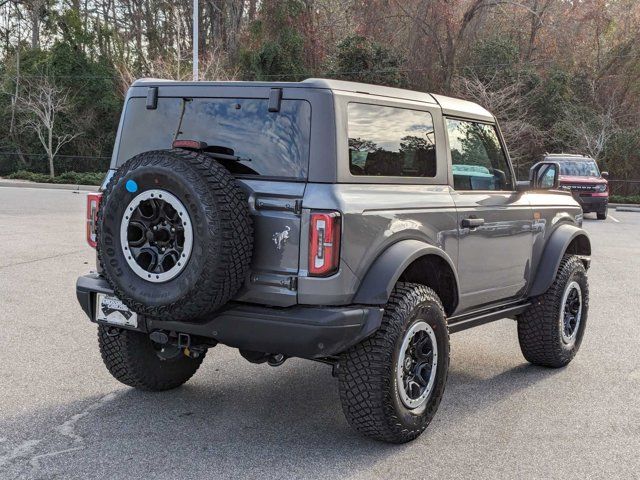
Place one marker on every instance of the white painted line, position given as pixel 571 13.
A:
pixel 614 218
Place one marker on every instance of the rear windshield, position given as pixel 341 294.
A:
pixel 273 144
pixel 583 168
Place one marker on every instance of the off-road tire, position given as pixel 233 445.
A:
pixel 133 360
pixel 366 372
pixel 540 326
pixel 602 215
pixel 222 235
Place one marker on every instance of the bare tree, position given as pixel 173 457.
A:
pixel 510 105
pixel 40 106
pixel 443 25
pixel 592 132
pixel 536 10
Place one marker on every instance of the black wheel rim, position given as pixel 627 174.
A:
pixel 156 235
pixel 571 312
pixel 417 365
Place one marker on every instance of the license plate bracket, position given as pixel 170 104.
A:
pixel 111 310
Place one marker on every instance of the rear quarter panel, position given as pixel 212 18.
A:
pixel 374 218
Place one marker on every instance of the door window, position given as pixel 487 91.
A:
pixel 478 160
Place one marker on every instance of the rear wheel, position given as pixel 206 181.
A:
pixel 133 359
pixel 550 331
pixel 602 215
pixel 391 384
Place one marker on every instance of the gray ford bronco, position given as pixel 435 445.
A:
pixel 349 224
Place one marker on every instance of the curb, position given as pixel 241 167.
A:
pixel 50 186
pixel 632 205
pixel 627 208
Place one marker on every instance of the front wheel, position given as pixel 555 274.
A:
pixel 602 215
pixel 391 384
pixel 133 359
pixel 550 331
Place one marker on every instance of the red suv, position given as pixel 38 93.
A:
pixel 581 176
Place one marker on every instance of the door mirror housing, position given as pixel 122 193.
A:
pixel 604 175
pixel 545 176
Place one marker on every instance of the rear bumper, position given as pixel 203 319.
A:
pixel 592 204
pixel 307 332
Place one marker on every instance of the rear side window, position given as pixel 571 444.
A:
pixel 274 144
pixel 390 141
pixel 478 160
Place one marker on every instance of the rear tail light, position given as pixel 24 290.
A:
pixel 93 203
pixel 324 244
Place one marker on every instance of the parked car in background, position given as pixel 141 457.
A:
pixel 581 176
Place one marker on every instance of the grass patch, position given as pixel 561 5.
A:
pixel 74 178
pixel 625 199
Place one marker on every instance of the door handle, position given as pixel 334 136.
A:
pixel 472 222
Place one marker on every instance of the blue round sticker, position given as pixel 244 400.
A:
pixel 132 186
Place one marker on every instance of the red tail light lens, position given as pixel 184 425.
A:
pixel 93 203
pixel 324 244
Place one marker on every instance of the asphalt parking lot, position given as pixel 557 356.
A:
pixel 63 416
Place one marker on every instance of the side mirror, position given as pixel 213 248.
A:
pixel 545 176
pixel 604 174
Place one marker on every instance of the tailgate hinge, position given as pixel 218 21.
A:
pixel 274 280
pixel 288 204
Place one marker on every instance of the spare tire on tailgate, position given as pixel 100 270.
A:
pixel 174 234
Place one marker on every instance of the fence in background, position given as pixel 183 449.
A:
pixel 624 187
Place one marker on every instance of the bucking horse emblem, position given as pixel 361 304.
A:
pixel 280 238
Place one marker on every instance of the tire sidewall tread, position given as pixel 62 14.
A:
pixel 130 358
pixel 539 327
pixel 368 386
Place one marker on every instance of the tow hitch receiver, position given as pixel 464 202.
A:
pixel 180 341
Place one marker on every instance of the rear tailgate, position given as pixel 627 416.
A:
pixel 276 212
pixel 272 150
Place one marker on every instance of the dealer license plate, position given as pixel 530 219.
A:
pixel 110 309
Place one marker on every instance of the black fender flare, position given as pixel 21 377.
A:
pixel 552 255
pixel 377 284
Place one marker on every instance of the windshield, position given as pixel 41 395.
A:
pixel 582 168
pixel 273 144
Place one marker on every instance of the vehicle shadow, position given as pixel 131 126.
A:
pixel 239 421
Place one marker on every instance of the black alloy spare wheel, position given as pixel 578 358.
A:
pixel 157 234
pixel 174 234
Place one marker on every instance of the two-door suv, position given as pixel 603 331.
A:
pixel 350 224
pixel 581 176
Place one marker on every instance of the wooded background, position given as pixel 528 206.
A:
pixel 561 76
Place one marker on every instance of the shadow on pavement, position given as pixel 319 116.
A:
pixel 256 424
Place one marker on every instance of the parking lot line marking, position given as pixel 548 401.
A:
pixel 614 219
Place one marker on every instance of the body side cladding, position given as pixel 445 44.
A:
pixel 391 265
pixel 565 239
